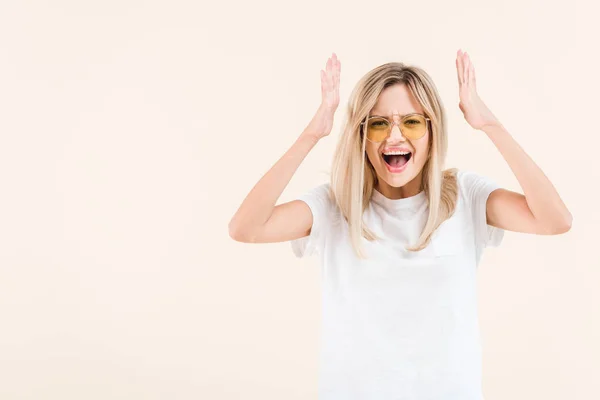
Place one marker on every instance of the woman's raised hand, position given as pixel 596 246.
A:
pixel 476 113
pixel 322 122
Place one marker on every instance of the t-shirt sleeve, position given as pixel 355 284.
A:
pixel 476 189
pixel 320 205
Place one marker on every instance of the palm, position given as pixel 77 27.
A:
pixel 322 122
pixel 330 83
pixel 476 113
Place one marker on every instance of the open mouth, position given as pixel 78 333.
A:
pixel 396 160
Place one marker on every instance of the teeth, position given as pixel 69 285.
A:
pixel 387 153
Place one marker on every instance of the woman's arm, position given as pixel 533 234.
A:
pixel 250 222
pixel 258 220
pixel 540 210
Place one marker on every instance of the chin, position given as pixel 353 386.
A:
pixel 397 179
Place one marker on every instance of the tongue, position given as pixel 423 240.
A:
pixel 397 160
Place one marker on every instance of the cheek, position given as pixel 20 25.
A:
pixel 372 153
pixel 422 151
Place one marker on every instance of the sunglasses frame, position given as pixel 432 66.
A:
pixel 392 123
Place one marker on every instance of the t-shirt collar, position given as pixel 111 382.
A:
pixel 395 204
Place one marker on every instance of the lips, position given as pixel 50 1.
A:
pixel 396 149
pixel 396 160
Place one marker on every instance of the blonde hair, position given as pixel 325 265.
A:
pixel 353 177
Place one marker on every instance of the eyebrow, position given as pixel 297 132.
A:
pixel 390 116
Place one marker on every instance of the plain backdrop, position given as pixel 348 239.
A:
pixel 132 130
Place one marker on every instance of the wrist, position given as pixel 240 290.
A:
pixel 309 138
pixel 493 128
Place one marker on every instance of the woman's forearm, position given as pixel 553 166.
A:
pixel 543 199
pixel 258 205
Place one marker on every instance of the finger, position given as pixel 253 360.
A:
pixel 326 82
pixel 457 68
pixel 464 57
pixel 328 73
pixel 467 69
pixel 472 73
pixel 461 67
pixel 334 68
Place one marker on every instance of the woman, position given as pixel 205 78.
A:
pixel 399 238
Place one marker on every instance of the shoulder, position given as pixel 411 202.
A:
pixel 321 194
pixel 472 188
pixel 470 182
pixel 475 189
pixel 320 201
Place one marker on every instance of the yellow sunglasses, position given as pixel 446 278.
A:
pixel 412 126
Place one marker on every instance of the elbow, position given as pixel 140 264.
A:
pixel 235 233
pixel 238 234
pixel 564 227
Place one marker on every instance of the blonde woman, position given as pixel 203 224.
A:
pixel 399 238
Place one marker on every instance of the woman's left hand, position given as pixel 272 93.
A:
pixel 474 110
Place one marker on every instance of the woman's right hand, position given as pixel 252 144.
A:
pixel 321 124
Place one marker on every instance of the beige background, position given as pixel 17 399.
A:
pixel 132 130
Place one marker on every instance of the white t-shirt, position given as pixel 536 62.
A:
pixel 401 325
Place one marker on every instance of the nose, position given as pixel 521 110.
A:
pixel 396 134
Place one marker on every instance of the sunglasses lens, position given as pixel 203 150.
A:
pixel 413 127
pixel 377 129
